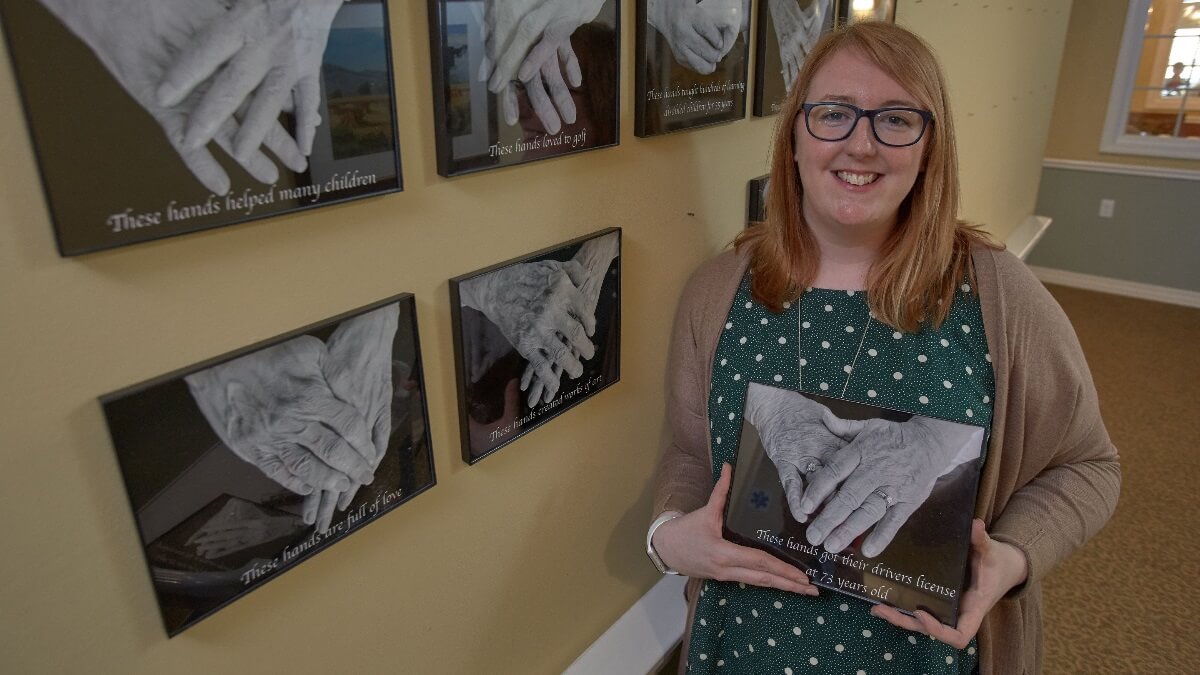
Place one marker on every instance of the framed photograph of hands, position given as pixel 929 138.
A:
pixel 520 80
pixel 786 31
pixel 868 501
pixel 534 337
pixel 691 64
pixel 152 118
pixel 241 467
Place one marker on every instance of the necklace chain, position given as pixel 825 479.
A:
pixel 800 342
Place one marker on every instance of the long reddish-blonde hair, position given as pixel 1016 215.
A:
pixel 928 253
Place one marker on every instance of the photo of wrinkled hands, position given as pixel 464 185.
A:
pixel 239 526
pixel 798 25
pixel 850 476
pixel 545 310
pixel 215 71
pixel 313 416
pixel 699 34
pixel 528 45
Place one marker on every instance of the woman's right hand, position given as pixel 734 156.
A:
pixel 693 546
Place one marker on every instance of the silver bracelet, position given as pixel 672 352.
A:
pixel 650 552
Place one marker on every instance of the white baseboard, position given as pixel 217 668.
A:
pixel 1132 289
pixel 1022 240
pixel 641 639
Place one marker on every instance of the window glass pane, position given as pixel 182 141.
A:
pixel 1189 14
pixel 1156 52
pixel 1181 70
pixel 1160 76
pixel 1162 102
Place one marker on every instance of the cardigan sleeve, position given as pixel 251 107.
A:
pixel 1059 469
pixel 683 479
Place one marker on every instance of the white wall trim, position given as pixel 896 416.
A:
pixel 1122 169
pixel 642 638
pixel 1132 289
pixel 1022 240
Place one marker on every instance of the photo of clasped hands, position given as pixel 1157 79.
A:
pixel 216 70
pixel 699 34
pixel 313 416
pixel 237 527
pixel 546 311
pixel 849 476
pixel 527 43
pixel 798 25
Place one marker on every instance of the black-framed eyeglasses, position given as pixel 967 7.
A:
pixel 895 127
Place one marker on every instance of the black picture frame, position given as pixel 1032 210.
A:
pixel 756 199
pixel 477 129
pixel 673 95
pixel 216 457
pixel 537 301
pixel 106 146
pixel 780 49
pixel 923 566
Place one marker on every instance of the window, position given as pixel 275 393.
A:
pixel 1154 107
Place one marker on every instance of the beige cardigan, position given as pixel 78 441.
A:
pixel 1051 477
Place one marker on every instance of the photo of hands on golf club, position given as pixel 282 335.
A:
pixel 199 113
pixel 868 501
pixel 691 67
pixel 534 337
pixel 240 469
pixel 519 80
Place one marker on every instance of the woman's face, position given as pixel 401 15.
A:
pixel 856 183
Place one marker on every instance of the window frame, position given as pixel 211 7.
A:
pixel 1114 139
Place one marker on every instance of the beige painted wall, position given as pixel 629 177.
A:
pixel 514 565
pixel 1085 81
pixel 1001 59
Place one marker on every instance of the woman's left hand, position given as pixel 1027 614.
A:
pixel 996 568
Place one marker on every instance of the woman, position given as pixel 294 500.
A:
pixel 862 283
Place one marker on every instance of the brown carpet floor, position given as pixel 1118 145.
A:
pixel 1123 604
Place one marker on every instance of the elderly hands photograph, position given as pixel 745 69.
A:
pixel 520 80
pixel 241 467
pixel 691 64
pixel 152 118
pixel 534 337
pixel 785 32
pixel 864 500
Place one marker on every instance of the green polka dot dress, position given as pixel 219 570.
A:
pixel 826 343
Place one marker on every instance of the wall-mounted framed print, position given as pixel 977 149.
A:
pixel 516 80
pixel 785 32
pixel 152 118
pixel 534 337
pixel 691 64
pixel 241 467
pixel 756 199
pixel 853 11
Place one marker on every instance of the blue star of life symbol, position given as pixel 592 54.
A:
pixel 759 500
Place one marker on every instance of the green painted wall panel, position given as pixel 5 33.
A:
pixel 1152 238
